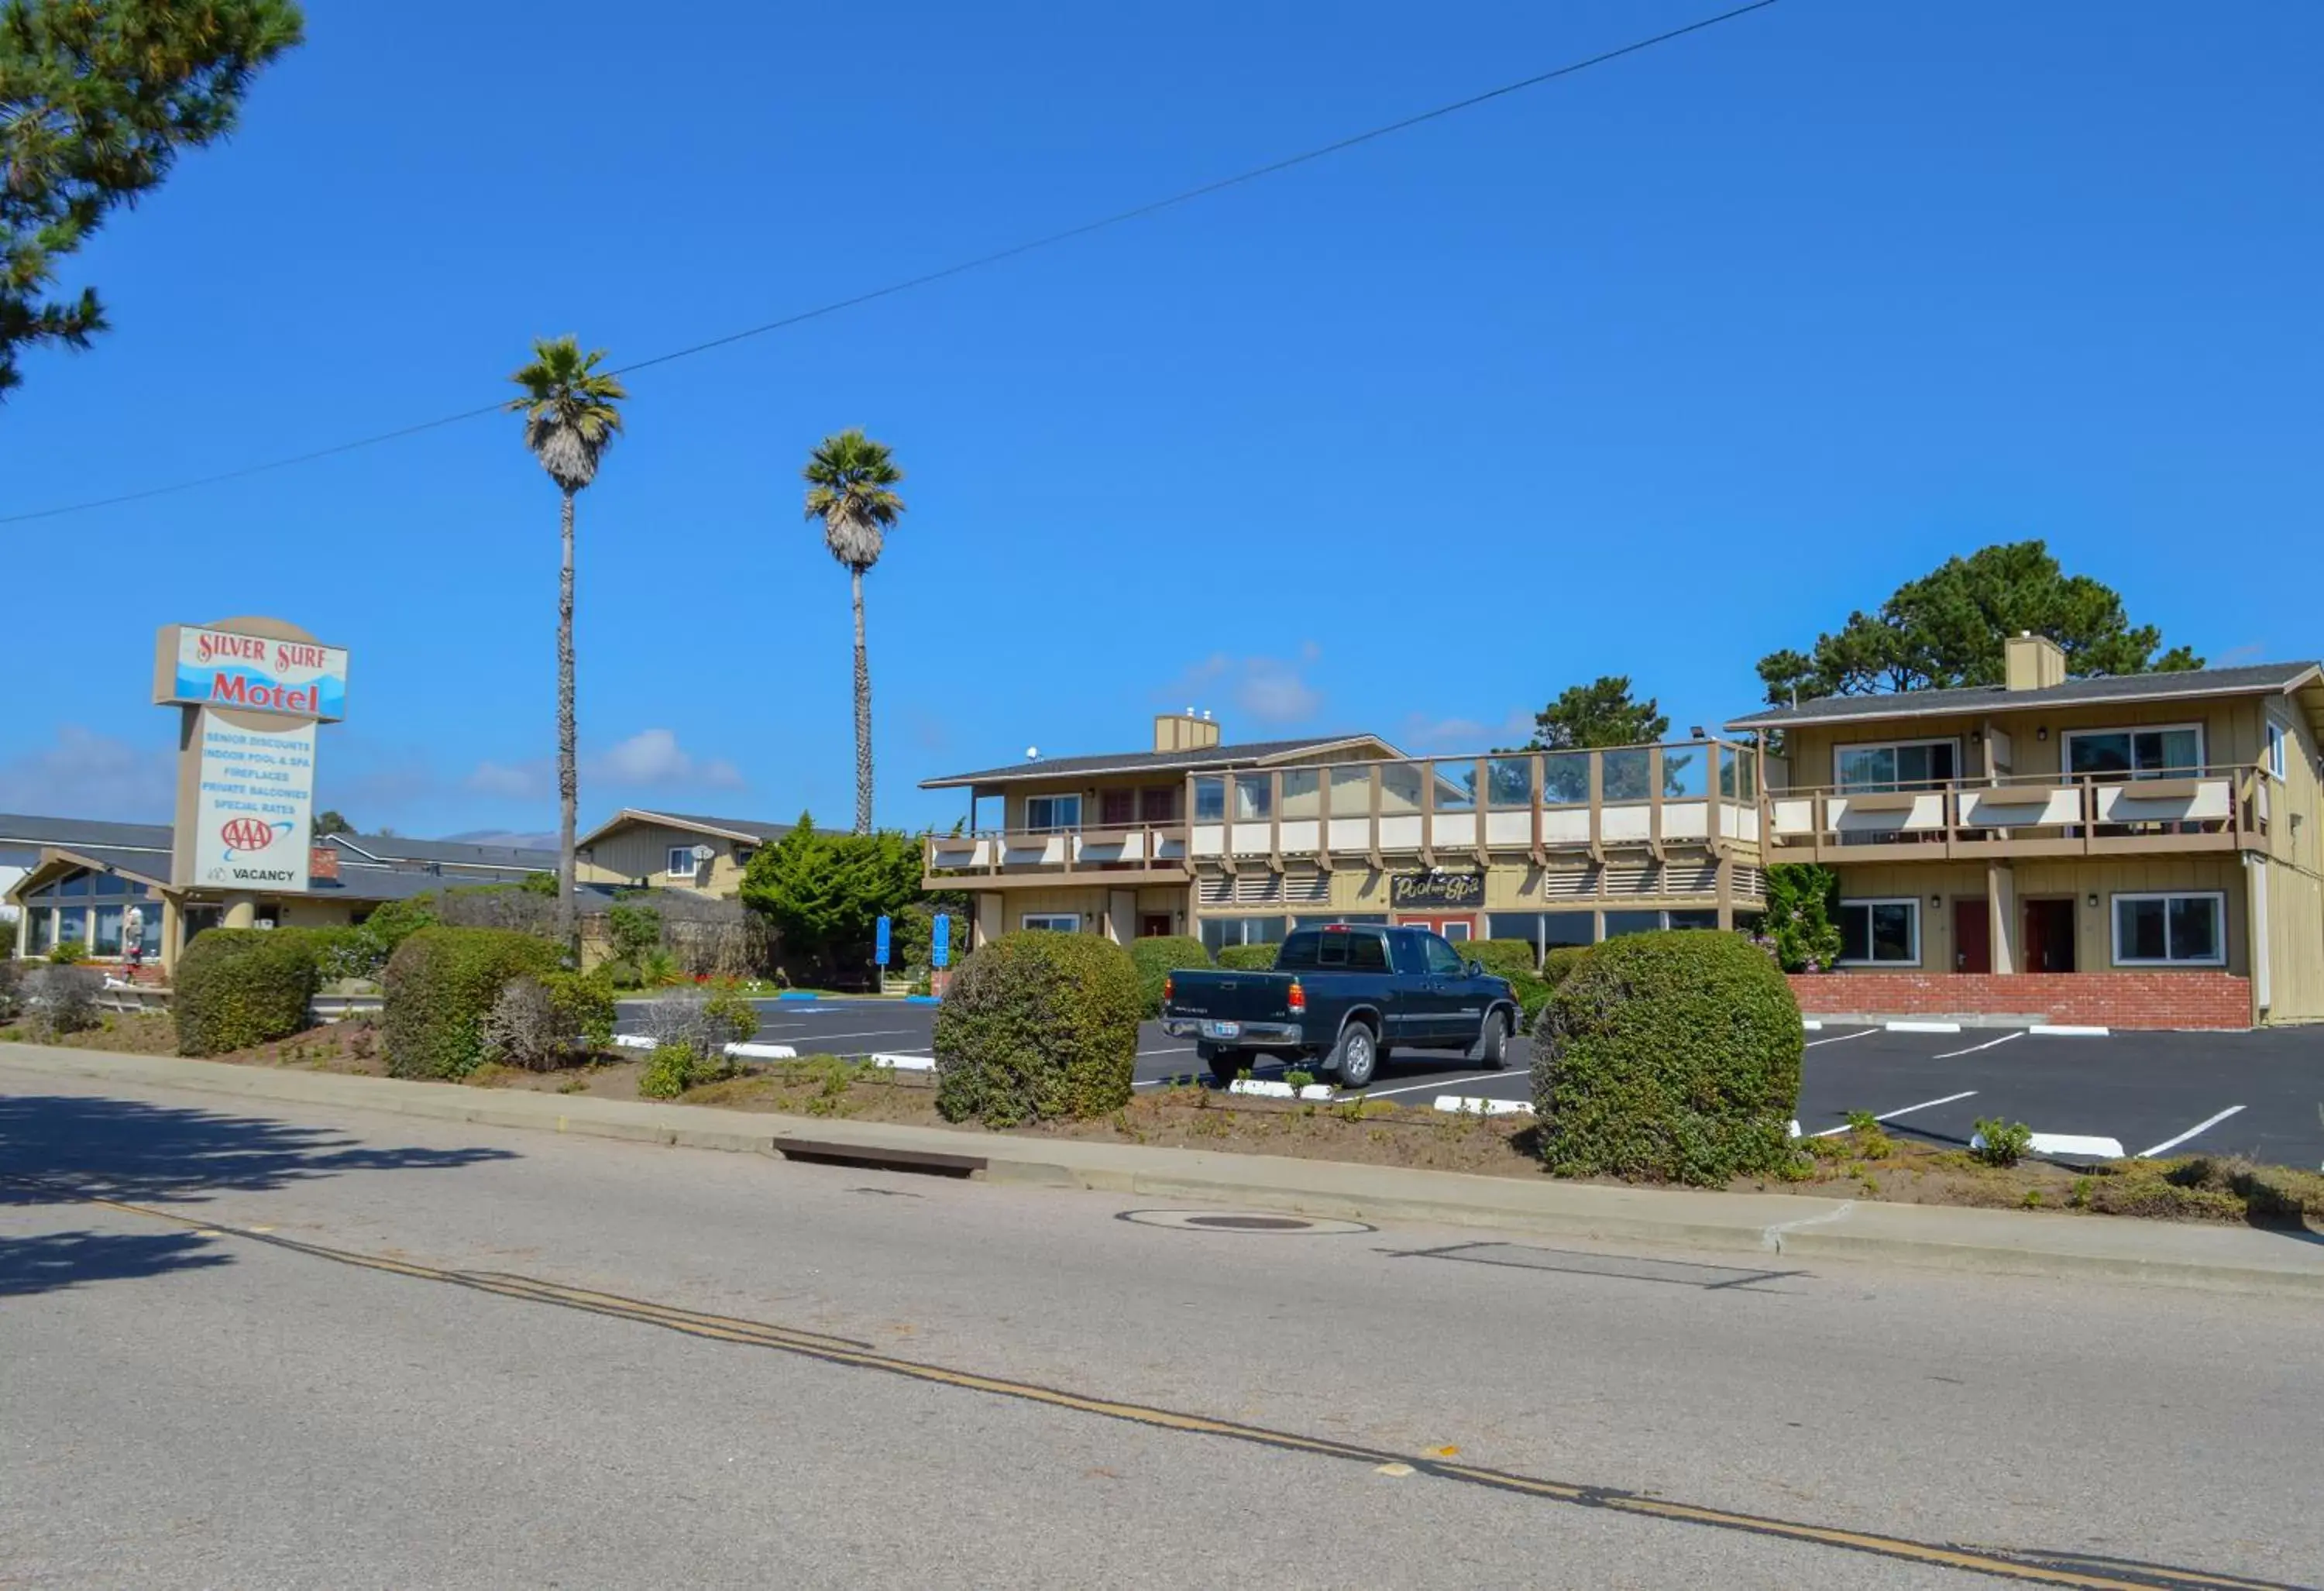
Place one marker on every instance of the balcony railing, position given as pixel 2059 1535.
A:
pixel 1699 794
pixel 2173 809
pixel 1061 853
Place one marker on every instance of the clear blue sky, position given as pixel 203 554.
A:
pixel 1647 371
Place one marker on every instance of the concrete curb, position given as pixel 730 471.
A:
pixel 1792 1226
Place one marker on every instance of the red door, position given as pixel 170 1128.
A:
pixel 1972 936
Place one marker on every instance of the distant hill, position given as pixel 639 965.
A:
pixel 505 837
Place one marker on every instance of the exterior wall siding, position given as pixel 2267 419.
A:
pixel 2157 999
pixel 2076 880
pixel 642 851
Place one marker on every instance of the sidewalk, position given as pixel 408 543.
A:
pixel 1797 1226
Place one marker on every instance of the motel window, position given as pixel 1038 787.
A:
pixel 1347 919
pixel 1210 800
pixel 108 932
pixel 1045 815
pixel 2170 930
pixel 1618 924
pixel 43 933
pixel 72 923
pixel 1694 919
pixel 2278 761
pixel 1880 932
pixel 1218 932
pixel 1158 804
pixel 1905 765
pixel 1053 922
pixel 1117 809
pixel 681 862
pixel 2139 754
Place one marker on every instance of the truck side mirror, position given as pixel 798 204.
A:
pixel 1476 969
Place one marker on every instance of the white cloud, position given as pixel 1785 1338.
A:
pixel 514 781
pixel 651 757
pixel 92 775
pixel 1270 690
pixel 654 757
pixel 1424 734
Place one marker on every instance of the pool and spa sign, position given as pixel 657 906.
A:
pixel 250 692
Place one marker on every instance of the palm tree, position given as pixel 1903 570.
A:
pixel 569 421
pixel 847 488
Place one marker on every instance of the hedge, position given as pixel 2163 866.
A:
pixel 235 987
pixel 440 986
pixel 1558 965
pixel 1503 958
pixel 1674 1056
pixel 1157 959
pixel 1037 1026
pixel 1249 957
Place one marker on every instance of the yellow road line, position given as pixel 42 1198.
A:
pixel 2030 1568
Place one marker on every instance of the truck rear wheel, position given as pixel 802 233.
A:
pixel 1355 1057
pixel 1225 1065
pixel 1493 1041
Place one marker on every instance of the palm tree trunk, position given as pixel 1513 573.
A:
pixel 863 712
pixel 568 778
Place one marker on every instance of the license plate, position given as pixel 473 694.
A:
pixel 1221 1030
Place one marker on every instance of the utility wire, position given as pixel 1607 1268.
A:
pixel 960 267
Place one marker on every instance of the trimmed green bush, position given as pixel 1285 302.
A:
pixel 1157 959
pixel 440 986
pixel 1037 1026
pixel 238 987
pixel 1558 965
pixel 669 1071
pixel 1671 1056
pixel 1503 958
pixel 1249 957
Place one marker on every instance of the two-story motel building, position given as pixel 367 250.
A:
pixel 2132 851
pixel 2138 851
pixel 1242 843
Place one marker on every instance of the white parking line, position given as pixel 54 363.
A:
pixel 1437 1083
pixel 1973 1049
pixel 1179 1050
pixel 1893 1114
pixel 1843 1038
pixel 2201 1126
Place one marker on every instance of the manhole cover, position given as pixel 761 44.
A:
pixel 1213 1221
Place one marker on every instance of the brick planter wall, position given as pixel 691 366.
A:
pixel 2102 999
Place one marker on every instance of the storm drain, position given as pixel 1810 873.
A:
pixel 1245 1221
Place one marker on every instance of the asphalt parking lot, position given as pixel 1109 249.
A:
pixel 2258 1094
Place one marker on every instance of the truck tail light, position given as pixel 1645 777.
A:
pixel 1298 998
pixel 1168 983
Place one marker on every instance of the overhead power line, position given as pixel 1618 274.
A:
pixel 926 278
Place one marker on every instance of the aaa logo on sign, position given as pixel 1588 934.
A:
pixel 249 834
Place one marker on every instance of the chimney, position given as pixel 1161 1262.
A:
pixel 2034 662
pixel 1184 732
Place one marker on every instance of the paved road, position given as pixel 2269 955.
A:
pixel 2260 1094
pixel 396 1353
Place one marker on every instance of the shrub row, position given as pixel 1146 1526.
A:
pixel 1157 959
pixel 1248 958
pixel 441 985
pixel 1037 1025
pixel 235 987
pixel 1674 1056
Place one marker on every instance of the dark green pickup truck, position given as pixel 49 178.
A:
pixel 1342 998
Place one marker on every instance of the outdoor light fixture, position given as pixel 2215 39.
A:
pixel 2094 900
pixel 1936 900
pixel 2043 733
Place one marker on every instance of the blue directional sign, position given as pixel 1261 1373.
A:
pixel 880 943
pixel 940 940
